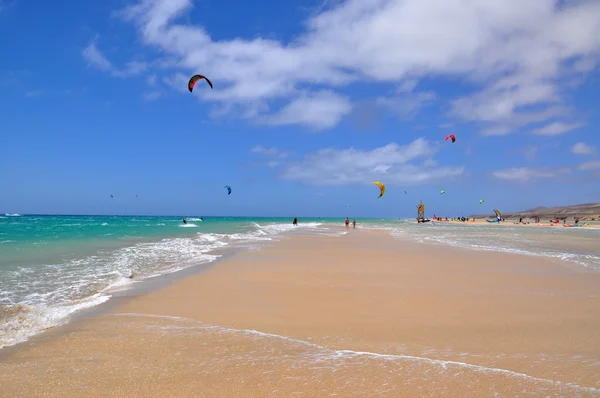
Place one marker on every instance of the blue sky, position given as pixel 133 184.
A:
pixel 312 101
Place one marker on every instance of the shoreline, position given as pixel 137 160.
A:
pixel 223 253
pixel 121 293
pixel 36 321
pixel 280 271
pixel 135 287
pixel 118 296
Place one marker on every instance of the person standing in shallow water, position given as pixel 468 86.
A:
pixel 295 222
pixel 354 223
pixel 347 222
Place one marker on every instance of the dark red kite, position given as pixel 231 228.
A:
pixel 195 78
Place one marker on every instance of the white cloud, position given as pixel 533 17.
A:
pixel 390 163
pixel 94 58
pixel 520 119
pixel 581 148
pixel 505 47
pixel 590 165
pixel 524 174
pixel 500 103
pixel 407 105
pixel 408 86
pixel 497 130
pixel 429 163
pixel 557 128
pixel 320 110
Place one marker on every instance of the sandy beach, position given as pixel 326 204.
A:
pixel 524 223
pixel 362 314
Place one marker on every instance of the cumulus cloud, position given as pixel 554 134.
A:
pixel 520 119
pixel 502 48
pixel 524 174
pixel 407 104
pixel 94 58
pixel 320 110
pixel 391 163
pixel 557 128
pixel 581 148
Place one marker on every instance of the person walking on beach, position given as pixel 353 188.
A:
pixel 295 222
pixel 347 222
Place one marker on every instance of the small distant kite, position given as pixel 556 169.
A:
pixel 442 192
pixel 381 188
pixel 137 197
pixel 481 201
pixel 111 196
pixel 405 192
pixel 451 137
pixel 195 78
pixel 228 189
pixel 349 205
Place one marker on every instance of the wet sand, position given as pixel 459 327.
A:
pixel 358 315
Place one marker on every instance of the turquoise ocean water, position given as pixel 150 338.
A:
pixel 53 266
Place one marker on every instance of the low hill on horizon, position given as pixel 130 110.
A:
pixel 585 212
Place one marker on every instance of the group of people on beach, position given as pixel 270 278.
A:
pixel 462 219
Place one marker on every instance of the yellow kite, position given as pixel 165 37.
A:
pixel 381 188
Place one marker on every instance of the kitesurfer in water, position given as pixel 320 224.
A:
pixel 184 220
pixel 295 222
